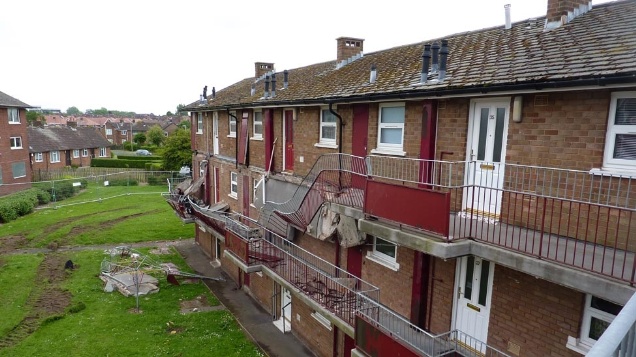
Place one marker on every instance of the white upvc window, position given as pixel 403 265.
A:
pixel 75 153
pixel 16 142
pixel 14 115
pixel 85 153
pixel 255 189
pixel 385 253
pixel 102 152
pixel 124 133
pixel 109 131
pixel 258 125
pixel 391 129
pixel 200 123
pixel 55 156
pixel 38 157
pixel 597 316
pixel 328 127
pixel 18 169
pixel 620 142
pixel 232 124
pixel 233 184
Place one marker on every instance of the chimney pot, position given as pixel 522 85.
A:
pixel 435 64
pixel 266 87
pixel 285 79
pixel 426 61
pixel 374 73
pixel 443 54
pixel 213 92
pixel 273 85
pixel 508 21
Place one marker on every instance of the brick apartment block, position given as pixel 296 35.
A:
pixel 15 174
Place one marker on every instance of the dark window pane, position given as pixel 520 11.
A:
pixel 499 131
pixel 385 247
pixel 468 283
pixel 625 147
pixel 625 111
pixel 483 132
pixel 605 306
pixel 483 282
pixel 597 327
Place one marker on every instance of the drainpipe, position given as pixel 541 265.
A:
pixel 236 137
pixel 341 127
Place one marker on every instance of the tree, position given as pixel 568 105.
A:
pixel 177 151
pixel 185 124
pixel 180 110
pixel 140 138
pixel 169 113
pixel 73 111
pixel 32 116
pixel 155 135
pixel 102 111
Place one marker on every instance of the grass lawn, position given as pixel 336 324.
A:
pixel 103 324
pixel 133 214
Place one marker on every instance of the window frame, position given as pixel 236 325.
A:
pixel 334 124
pixel 38 157
pixel 76 153
pixel 233 184
pixel 85 153
pixel 610 163
pixel 231 119
pixel 13 169
pixel 10 116
pixel 590 312
pixel 16 142
pixel 387 148
pixel 102 152
pixel 54 153
pixel 109 131
pixel 199 123
pixel 255 123
pixel 382 258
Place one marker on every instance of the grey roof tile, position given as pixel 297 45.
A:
pixel 65 138
pixel 8 101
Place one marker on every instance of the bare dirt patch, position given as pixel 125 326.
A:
pixel 11 243
pixel 198 304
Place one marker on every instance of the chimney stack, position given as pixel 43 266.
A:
pixel 349 47
pixel 71 124
pixel 261 68
pixel 508 21
pixel 560 12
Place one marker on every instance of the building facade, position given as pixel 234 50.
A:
pixel 15 174
pixel 429 198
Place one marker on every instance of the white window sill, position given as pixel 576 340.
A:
pixel 576 345
pixel 17 177
pixel 233 195
pixel 14 123
pixel 39 161
pixel 257 138
pixel 377 259
pixel 382 151
pixel 326 145
pixel 322 320
pixel 231 136
pixel 199 132
pixel 16 148
pixel 259 273
pixel 614 172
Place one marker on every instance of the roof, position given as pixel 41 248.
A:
pixel 65 138
pixel 8 101
pixel 598 46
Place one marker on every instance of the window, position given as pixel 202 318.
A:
pixel 75 153
pixel 55 156
pixel 16 142
pixel 233 184
pixel 391 129
pixel 14 116
pixel 109 131
pixel 85 153
pixel 255 189
pixel 598 315
pixel 385 253
pixel 19 169
pixel 232 124
pixel 38 157
pixel 620 142
pixel 328 128
pixel 102 152
pixel 200 123
pixel 258 125
pixel 124 133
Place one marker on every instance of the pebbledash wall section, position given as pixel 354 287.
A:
pixel 529 315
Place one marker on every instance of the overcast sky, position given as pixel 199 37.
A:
pixel 148 56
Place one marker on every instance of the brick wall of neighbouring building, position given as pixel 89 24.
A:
pixel 311 332
pixel 441 311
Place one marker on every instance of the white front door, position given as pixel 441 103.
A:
pixel 488 130
pixel 284 322
pixel 215 133
pixel 474 292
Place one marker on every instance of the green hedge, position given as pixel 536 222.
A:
pixel 123 182
pixel 18 204
pixel 158 180
pixel 141 158
pixel 118 163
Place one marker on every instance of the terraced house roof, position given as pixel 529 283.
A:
pixel 8 101
pixel 598 47
pixel 65 138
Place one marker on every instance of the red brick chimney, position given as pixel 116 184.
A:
pixel 262 67
pixel 349 47
pixel 560 12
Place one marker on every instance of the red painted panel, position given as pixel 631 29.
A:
pixel 375 343
pixel 236 245
pixel 417 207
pixel 246 195
pixel 289 140
pixel 217 185
pixel 354 261
pixel 207 194
pixel 243 142
pixel 268 128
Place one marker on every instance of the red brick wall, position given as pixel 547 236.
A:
pixel 532 313
pixel 262 289
pixel 323 249
pixel 8 156
pixel 311 332
pixel 441 311
pixel 205 241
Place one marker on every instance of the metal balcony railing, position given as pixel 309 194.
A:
pixel 619 340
